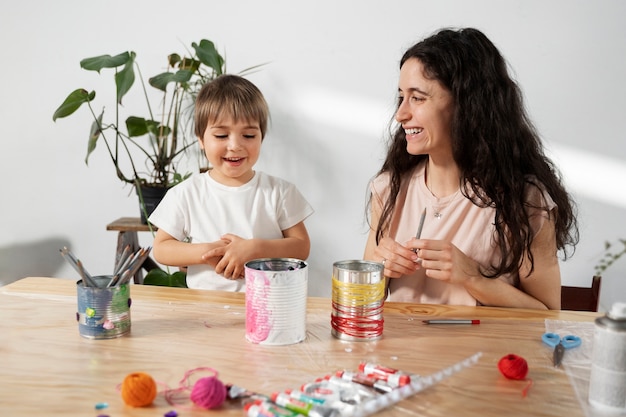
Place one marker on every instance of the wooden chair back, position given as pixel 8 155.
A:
pixel 581 298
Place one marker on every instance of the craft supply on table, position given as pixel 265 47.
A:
pixel 607 383
pixel 393 377
pixel 103 313
pixel 78 266
pixel 138 389
pixel 126 266
pixel 366 380
pixel 358 293
pixel 104 300
pixel 451 321
pixel 418 234
pixel 336 396
pixel 207 392
pixel 276 297
pixel 560 344
pixel 515 367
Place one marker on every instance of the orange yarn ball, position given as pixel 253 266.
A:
pixel 138 389
pixel 513 366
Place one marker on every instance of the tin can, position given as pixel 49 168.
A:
pixel 607 383
pixel 358 293
pixel 276 298
pixel 103 313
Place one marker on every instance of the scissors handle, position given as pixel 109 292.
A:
pixel 568 342
pixel 571 341
pixel 551 339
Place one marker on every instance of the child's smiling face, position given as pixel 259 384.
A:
pixel 232 148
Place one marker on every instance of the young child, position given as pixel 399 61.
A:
pixel 215 222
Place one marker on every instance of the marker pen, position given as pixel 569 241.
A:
pixel 234 392
pixel 301 407
pixel 339 393
pixel 363 379
pixel 451 321
pixel 263 408
pixel 321 389
pixel 257 410
pixel 299 395
pixel 392 376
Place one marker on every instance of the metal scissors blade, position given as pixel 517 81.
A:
pixel 557 356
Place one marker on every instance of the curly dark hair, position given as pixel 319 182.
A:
pixel 494 143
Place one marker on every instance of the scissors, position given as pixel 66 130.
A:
pixel 559 345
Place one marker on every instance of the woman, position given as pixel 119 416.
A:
pixel 466 152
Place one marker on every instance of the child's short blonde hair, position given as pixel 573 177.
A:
pixel 230 96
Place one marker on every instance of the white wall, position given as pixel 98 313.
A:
pixel 330 82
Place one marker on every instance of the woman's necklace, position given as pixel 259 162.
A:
pixel 437 211
pixel 439 204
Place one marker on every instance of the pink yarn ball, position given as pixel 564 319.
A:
pixel 208 392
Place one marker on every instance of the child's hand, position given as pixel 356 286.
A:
pixel 234 255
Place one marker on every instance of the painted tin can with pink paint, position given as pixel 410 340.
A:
pixel 276 294
pixel 103 312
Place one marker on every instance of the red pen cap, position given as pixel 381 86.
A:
pixel 368 368
pixel 247 405
pixel 400 379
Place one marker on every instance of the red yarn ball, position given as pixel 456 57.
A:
pixel 513 366
pixel 208 392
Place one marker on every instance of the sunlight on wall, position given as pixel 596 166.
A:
pixel 594 176
pixel 349 112
pixel 590 175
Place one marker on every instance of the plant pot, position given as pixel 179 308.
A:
pixel 151 197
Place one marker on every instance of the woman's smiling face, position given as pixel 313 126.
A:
pixel 425 110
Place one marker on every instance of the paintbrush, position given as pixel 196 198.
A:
pixel 121 259
pixel 78 266
pixel 419 228
pixel 132 267
pixel 123 267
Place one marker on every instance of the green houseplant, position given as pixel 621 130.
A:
pixel 610 255
pixel 146 150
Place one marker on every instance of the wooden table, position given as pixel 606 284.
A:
pixel 127 228
pixel 47 369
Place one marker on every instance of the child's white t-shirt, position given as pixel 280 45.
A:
pixel 202 210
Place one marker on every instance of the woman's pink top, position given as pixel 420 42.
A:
pixel 469 227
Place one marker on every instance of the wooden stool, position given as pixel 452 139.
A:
pixel 127 228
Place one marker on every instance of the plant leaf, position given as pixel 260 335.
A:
pixel 189 64
pixel 96 63
pixel 125 78
pixel 159 277
pixel 208 55
pixel 94 134
pixel 173 59
pixel 162 80
pixel 73 102
pixel 138 126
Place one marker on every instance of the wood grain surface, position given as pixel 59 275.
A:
pixel 48 369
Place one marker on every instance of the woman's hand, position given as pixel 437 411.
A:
pixel 398 260
pixel 444 261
